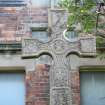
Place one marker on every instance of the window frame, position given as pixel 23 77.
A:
pixel 12 3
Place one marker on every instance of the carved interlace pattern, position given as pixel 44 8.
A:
pixel 58 48
pixel 30 47
pixel 61 96
pixel 60 77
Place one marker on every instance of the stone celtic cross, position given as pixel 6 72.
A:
pixel 58 47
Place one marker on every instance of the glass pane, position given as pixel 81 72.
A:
pixel 12 89
pixel 13 3
pixel 56 3
pixel 41 35
pixel 71 35
pixel 92 88
pixel 41 3
pixel 11 0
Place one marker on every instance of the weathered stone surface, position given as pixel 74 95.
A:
pixel 60 96
pixel 59 77
pixel 58 47
pixel 88 45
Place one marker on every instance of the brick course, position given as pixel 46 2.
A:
pixel 38 86
pixel 75 87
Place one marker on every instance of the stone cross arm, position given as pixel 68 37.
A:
pixel 34 48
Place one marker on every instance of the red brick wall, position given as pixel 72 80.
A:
pixel 37 86
pixel 12 19
pixel 75 87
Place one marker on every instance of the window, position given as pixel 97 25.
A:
pixel 12 89
pixel 92 87
pixel 54 3
pixel 41 3
pixel 10 46
pixel 11 3
pixel 41 35
pixel 71 36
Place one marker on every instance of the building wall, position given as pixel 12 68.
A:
pixel 15 24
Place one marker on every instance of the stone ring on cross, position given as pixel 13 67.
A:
pixel 69 39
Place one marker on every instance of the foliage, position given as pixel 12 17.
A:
pixel 100 42
pixel 80 13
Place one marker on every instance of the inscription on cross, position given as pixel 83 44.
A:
pixel 58 47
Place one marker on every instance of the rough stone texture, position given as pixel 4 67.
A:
pixel 88 45
pixel 60 96
pixel 59 71
pixel 59 48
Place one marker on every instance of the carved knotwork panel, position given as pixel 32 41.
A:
pixel 60 77
pixel 72 47
pixel 58 19
pixel 29 46
pixel 59 46
pixel 88 45
pixel 60 96
pixel 34 47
